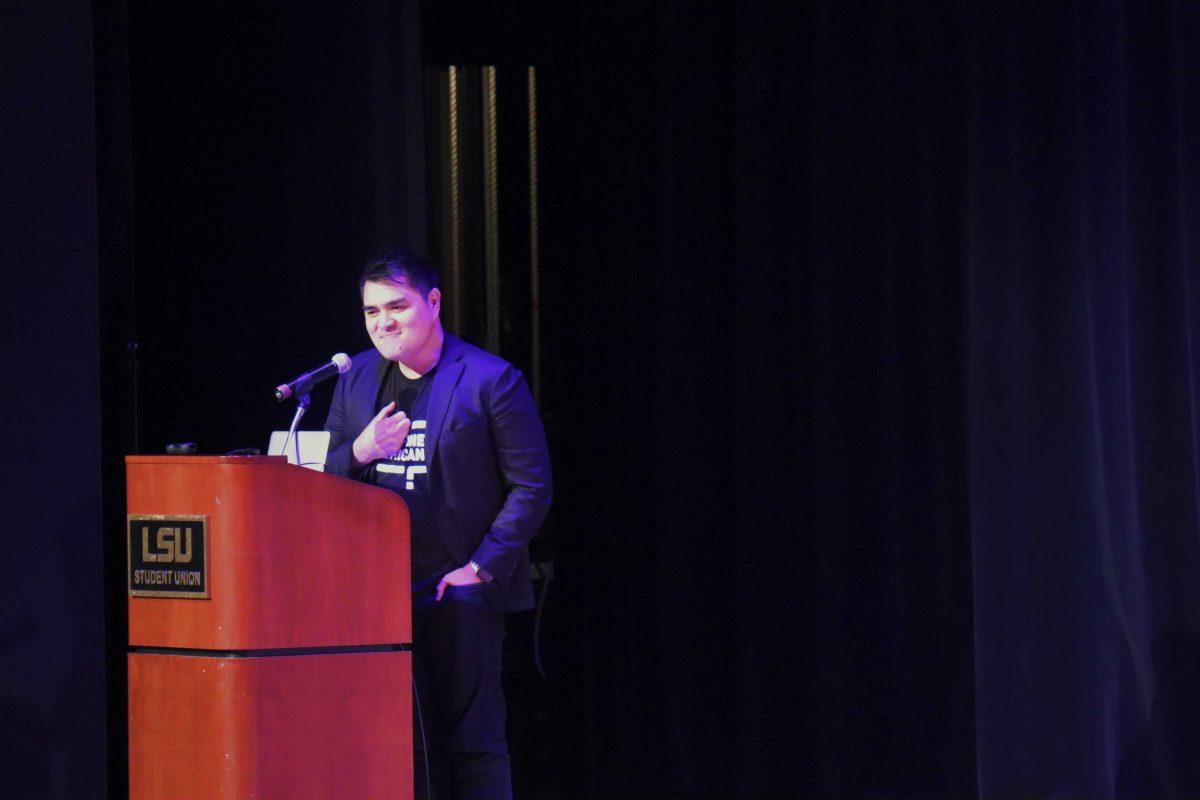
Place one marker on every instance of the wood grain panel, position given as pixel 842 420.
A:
pixel 297 558
pixel 314 726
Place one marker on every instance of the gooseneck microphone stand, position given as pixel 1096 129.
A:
pixel 301 407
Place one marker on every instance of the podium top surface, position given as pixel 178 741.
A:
pixel 165 459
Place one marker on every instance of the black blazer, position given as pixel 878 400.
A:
pixel 489 467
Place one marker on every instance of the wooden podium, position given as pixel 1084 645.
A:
pixel 269 626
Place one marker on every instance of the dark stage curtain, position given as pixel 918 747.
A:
pixel 876 390
pixel 52 689
pixel 272 150
pixel 765 574
pixel 1084 179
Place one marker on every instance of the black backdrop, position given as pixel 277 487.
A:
pixel 875 394
pixel 270 147
pixel 870 373
pixel 762 397
pixel 52 636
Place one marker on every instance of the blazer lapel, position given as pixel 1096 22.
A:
pixel 369 400
pixel 449 370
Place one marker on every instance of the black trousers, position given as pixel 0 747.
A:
pixel 456 665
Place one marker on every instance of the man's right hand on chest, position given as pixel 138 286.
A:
pixel 382 437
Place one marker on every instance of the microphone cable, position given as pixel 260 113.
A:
pixel 547 576
pixel 424 743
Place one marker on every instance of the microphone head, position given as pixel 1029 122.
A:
pixel 343 362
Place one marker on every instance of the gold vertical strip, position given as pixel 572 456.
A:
pixel 491 212
pixel 455 249
pixel 535 305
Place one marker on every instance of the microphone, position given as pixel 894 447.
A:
pixel 303 385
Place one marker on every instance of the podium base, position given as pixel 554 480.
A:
pixel 288 726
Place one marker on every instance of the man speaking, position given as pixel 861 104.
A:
pixel 454 431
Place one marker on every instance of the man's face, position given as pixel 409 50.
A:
pixel 401 321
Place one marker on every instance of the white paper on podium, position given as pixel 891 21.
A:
pixel 313 447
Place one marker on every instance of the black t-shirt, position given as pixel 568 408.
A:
pixel 407 474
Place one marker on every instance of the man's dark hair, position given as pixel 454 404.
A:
pixel 396 265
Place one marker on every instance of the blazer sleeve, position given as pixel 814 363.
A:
pixel 524 463
pixel 340 460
